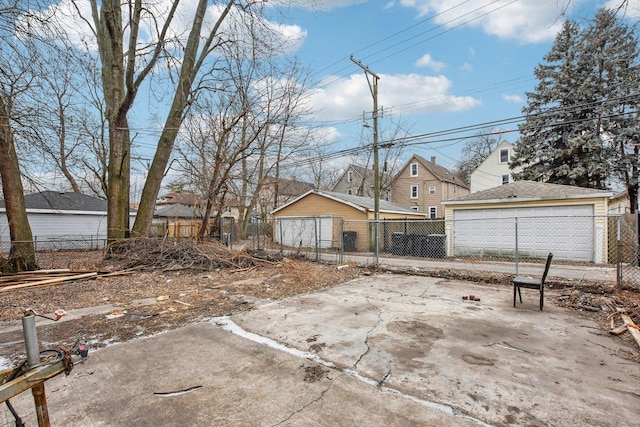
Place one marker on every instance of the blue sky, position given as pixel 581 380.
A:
pixel 443 64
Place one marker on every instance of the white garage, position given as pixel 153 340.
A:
pixel 532 219
pixel 304 232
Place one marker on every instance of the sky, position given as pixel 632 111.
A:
pixel 442 64
pixel 448 69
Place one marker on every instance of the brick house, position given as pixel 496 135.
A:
pixel 423 185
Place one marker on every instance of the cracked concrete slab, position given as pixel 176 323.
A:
pixel 495 363
pixel 386 350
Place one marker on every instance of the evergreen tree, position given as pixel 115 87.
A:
pixel 581 120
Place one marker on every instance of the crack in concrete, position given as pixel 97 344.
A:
pixel 366 340
pixel 227 324
pixel 308 404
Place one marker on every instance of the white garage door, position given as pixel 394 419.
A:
pixel 305 232
pixel 567 231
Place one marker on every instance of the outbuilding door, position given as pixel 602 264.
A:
pixel 305 232
pixel 567 231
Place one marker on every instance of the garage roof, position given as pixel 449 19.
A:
pixel 528 191
pixel 363 204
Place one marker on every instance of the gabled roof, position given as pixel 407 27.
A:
pixel 529 191
pixel 363 173
pixel 187 199
pixel 60 201
pixel 289 187
pixel 363 204
pixel 178 211
pixel 440 172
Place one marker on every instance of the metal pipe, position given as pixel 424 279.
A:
pixel 31 339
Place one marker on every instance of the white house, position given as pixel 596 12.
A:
pixel 58 216
pixel 494 171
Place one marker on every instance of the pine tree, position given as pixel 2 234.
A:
pixel 581 119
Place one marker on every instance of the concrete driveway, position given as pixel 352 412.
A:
pixel 385 350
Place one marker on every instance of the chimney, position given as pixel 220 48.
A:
pixel 433 159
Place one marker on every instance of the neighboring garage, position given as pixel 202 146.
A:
pixel 333 220
pixel 536 218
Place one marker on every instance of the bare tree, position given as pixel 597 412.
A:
pixel 16 55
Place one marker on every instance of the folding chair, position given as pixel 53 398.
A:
pixel 531 283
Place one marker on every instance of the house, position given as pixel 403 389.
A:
pixel 359 181
pixel 324 214
pixel 619 203
pixel 494 170
pixel 181 214
pixel 62 216
pixel 423 185
pixel 534 217
pixel 277 192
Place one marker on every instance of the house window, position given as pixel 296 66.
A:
pixel 455 189
pixel 414 169
pixel 433 212
pixel 349 192
pixel 505 179
pixel 350 176
pixel 414 191
pixel 432 190
pixel 504 155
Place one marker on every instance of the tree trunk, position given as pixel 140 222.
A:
pixel 190 67
pixel 22 256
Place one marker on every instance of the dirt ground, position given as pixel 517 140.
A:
pixel 152 299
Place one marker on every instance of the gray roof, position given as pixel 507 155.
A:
pixel 365 203
pixel 440 172
pixel 178 211
pixel 59 201
pixel 530 190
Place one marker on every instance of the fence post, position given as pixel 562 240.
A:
pixel 279 227
pixel 517 258
pixel 635 241
pixel 341 250
pixel 618 253
pixel 316 231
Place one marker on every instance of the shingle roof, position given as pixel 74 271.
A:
pixel 289 187
pixel 519 190
pixel 440 172
pixel 55 200
pixel 364 203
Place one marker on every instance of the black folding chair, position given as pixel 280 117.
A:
pixel 531 283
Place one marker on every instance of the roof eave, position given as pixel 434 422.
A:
pixel 529 199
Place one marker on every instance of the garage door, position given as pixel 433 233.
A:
pixel 567 231
pixel 305 231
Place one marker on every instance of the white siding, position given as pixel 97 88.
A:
pixel 567 231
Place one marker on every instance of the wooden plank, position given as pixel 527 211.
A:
pixel 49 281
pixel 632 327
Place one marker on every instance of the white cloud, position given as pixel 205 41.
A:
pixel 284 38
pixel 348 98
pixel 428 61
pixel 319 5
pixel 466 67
pixel 527 21
pixel 516 99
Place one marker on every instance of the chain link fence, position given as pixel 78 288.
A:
pixel 605 241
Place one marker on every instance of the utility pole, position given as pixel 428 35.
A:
pixel 373 87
